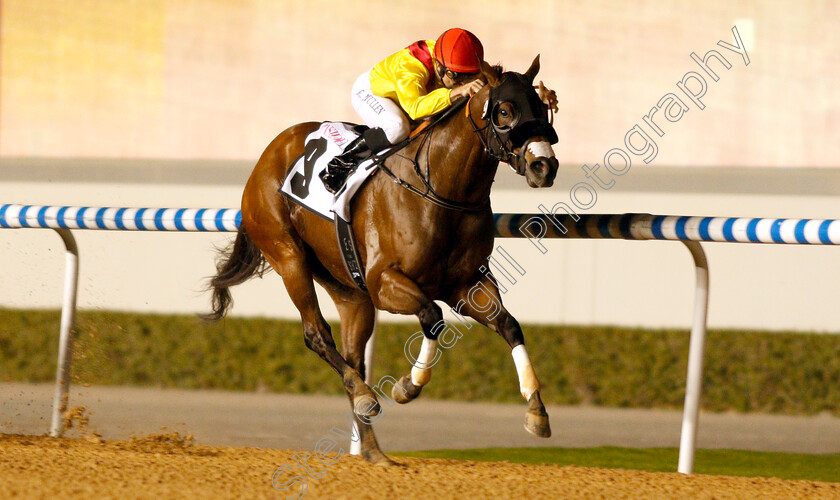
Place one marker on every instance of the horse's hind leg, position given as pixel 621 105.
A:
pixel 289 259
pixel 483 303
pixel 357 322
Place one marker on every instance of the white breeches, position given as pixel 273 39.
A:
pixel 379 112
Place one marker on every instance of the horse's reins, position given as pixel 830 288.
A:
pixel 430 194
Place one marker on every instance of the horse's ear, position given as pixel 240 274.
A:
pixel 490 73
pixel 533 70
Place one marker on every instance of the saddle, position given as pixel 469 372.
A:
pixel 304 187
pixel 302 184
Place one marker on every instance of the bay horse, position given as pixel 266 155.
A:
pixel 422 238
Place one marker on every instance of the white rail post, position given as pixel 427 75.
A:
pixel 65 342
pixel 694 377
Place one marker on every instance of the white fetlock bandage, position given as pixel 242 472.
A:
pixel 528 383
pixel 421 372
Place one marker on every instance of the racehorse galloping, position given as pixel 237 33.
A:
pixel 416 245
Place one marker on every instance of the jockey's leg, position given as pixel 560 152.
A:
pixel 388 125
pixel 370 142
pixel 339 168
pixel 379 112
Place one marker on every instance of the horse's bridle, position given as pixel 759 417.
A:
pixel 530 121
pixel 497 146
pixel 429 192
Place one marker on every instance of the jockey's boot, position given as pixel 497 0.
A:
pixel 340 167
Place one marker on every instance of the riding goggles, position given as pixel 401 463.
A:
pixel 454 75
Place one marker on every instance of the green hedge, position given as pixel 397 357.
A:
pixel 744 371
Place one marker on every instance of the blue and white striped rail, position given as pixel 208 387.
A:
pixel 671 227
pixel 120 218
pixel 618 226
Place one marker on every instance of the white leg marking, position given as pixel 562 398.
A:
pixel 421 372
pixel 528 383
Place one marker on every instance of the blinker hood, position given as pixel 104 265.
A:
pixel 532 114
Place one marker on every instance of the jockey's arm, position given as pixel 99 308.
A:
pixel 412 96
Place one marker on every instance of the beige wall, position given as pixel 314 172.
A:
pixel 218 79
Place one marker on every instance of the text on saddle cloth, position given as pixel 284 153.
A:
pixel 302 184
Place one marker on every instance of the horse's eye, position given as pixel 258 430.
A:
pixel 503 112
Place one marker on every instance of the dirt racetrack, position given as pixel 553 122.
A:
pixel 171 466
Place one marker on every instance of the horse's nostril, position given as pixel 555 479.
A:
pixel 538 167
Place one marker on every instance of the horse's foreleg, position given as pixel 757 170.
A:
pixel 536 419
pixel 357 321
pixel 483 303
pixel 397 293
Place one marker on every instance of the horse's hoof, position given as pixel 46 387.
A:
pixel 537 424
pixel 366 408
pixel 405 391
pixel 379 459
pixel 385 462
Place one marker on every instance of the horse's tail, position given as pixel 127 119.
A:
pixel 239 262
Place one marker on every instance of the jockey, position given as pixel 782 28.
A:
pixel 418 81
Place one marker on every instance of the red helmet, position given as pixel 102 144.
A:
pixel 459 50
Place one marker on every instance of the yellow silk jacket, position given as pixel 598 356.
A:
pixel 402 78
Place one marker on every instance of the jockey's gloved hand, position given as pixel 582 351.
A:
pixel 466 90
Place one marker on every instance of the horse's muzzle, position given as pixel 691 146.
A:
pixel 541 172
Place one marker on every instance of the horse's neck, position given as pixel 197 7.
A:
pixel 459 168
